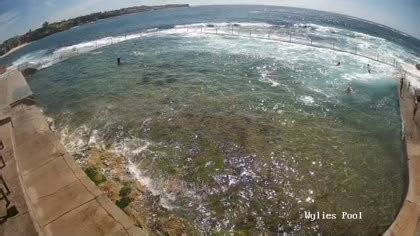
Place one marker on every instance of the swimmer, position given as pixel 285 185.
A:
pixel 338 64
pixel 349 90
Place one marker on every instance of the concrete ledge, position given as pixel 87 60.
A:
pixel 406 222
pixel 3 92
pixel 88 219
pixel 17 88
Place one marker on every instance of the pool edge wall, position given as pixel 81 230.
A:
pixel 406 222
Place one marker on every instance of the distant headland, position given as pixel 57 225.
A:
pixel 49 29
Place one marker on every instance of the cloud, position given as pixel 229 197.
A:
pixel 8 18
pixel 7 22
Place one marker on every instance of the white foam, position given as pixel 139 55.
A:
pixel 137 53
pixel 320 91
pixel 83 137
pixel 227 24
pixel 371 45
pixel 307 100
pixel 266 77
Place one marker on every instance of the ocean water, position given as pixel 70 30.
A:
pixel 253 131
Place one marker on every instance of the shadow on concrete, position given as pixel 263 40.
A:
pixel 10 212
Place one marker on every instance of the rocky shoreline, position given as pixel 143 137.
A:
pixel 110 173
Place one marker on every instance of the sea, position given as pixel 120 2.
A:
pixel 244 108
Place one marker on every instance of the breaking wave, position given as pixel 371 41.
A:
pixel 372 46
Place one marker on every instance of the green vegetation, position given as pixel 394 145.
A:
pixel 94 175
pixel 123 202
pixel 49 29
pixel 125 191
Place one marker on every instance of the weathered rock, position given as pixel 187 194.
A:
pixel 28 72
pixel 418 66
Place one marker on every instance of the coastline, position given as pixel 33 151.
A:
pixel 14 50
pixel 48 29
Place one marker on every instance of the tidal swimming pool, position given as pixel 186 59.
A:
pixel 205 133
pixel 239 134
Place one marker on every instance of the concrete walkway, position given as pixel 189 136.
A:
pixel 60 198
pixel 21 223
pixel 55 197
pixel 407 221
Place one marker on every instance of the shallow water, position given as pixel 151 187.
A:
pixel 237 133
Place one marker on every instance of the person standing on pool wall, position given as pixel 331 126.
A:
pixel 1 148
pixel 416 103
pixel 401 85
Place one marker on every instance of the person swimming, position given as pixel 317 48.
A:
pixel 369 69
pixel 349 90
pixel 338 63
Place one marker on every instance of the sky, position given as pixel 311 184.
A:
pixel 18 16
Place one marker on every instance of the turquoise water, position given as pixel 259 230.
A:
pixel 254 132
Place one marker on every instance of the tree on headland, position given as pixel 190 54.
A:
pixel 45 25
